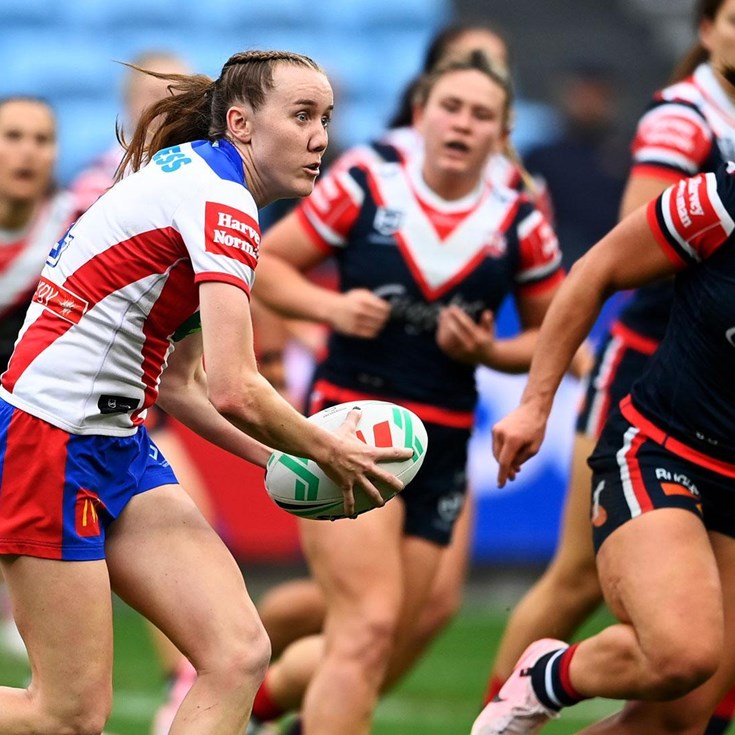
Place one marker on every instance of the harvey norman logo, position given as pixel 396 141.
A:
pixel 232 233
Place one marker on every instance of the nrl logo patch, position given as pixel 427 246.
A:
pixel 388 221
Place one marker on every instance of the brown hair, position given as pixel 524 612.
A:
pixel 704 10
pixel 197 107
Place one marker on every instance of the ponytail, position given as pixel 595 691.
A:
pixel 197 106
pixel 181 117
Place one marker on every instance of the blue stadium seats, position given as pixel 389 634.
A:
pixel 22 14
pixel 237 15
pixel 121 15
pixel 53 65
pixel 66 52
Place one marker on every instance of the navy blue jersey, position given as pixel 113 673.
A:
pixel 393 235
pixel 686 398
pixel 689 127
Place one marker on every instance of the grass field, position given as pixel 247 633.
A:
pixel 440 697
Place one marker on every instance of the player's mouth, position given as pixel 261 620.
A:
pixel 24 174
pixel 457 146
pixel 313 168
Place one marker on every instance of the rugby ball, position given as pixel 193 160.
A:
pixel 299 485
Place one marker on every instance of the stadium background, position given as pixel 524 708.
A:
pixel 66 52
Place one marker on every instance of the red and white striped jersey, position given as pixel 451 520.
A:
pixel 689 127
pixel 22 254
pixel 121 282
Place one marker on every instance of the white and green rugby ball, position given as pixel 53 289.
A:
pixel 299 485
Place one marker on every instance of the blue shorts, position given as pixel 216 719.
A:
pixel 59 492
pixel 434 498
pixel 633 475
pixel 619 361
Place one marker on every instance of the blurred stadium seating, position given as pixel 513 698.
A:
pixel 66 52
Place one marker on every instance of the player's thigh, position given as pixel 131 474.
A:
pixel 653 570
pixel 167 562
pixel 454 561
pixel 421 560
pixel 64 613
pixel 690 713
pixel 357 561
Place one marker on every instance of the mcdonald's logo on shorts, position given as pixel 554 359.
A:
pixel 87 519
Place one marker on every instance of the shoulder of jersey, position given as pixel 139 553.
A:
pixel 685 91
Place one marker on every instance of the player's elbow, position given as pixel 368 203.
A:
pixel 235 400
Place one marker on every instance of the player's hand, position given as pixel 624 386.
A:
pixel 516 438
pixel 463 339
pixel 356 464
pixel 360 313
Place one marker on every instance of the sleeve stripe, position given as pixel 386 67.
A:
pixel 223 278
pixel 657 171
pixel 671 110
pixel 666 156
pixel 655 222
pixel 668 206
pixel 327 234
pixel 539 272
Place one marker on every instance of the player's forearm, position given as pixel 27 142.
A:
pixel 288 292
pixel 512 355
pixel 188 403
pixel 568 321
pixel 256 408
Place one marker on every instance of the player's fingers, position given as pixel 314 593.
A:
pixel 387 454
pixel 372 492
pixel 349 501
pixel 386 478
pixel 351 420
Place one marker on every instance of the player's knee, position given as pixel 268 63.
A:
pixel 439 611
pixel 370 644
pixel 676 673
pixel 83 719
pixel 243 661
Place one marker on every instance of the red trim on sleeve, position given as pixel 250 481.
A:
pixel 658 233
pixel 651 171
pixel 222 278
pixel 312 232
pixel 539 287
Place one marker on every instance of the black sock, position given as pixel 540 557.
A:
pixel 550 680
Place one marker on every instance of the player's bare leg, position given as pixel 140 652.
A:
pixel 689 714
pixel 169 564
pixel 364 590
pixel 71 663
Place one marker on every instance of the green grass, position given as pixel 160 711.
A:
pixel 440 697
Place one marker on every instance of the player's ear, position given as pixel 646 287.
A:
pixel 240 123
